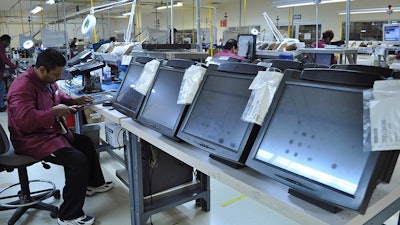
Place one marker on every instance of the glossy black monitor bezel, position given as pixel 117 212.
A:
pixel 315 190
pixel 152 122
pixel 123 108
pixel 216 149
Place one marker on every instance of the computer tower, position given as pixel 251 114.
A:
pixel 162 171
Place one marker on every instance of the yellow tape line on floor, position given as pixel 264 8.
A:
pixel 233 200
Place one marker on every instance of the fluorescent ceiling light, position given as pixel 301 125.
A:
pixel 373 10
pixel 126 14
pixel 110 5
pixel 291 3
pixel 178 4
pixel 36 9
pixel 50 2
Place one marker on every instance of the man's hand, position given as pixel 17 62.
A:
pixel 61 110
pixel 83 100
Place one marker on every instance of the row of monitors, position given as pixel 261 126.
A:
pixel 308 141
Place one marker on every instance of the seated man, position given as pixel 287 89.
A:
pixel 36 108
pixel 230 49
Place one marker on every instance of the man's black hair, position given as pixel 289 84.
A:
pixel 230 44
pixel 50 59
pixel 5 37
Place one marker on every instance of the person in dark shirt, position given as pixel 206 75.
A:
pixel 5 41
pixel 72 46
pixel 36 110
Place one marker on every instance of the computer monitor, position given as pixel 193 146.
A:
pixel 213 122
pixel 160 110
pixel 217 60
pixel 323 59
pixel 391 34
pixel 284 64
pixel 312 140
pixel 80 57
pixel 383 71
pixel 247 46
pixel 128 100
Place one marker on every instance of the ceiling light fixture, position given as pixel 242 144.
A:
pixel 50 2
pixel 367 11
pixel 36 9
pixel 291 3
pixel 110 6
pixel 178 4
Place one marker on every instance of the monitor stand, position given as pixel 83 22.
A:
pixel 233 164
pixel 316 202
pixel 91 84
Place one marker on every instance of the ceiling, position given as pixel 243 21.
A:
pixel 15 11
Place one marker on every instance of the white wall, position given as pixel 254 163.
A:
pixel 183 18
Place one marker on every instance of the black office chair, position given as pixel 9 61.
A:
pixel 24 199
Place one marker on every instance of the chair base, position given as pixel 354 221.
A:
pixel 30 200
pixel 21 210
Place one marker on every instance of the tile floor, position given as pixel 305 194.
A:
pixel 228 207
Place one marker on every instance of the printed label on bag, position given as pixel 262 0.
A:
pixel 385 124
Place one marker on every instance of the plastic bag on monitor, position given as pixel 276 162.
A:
pixel 381 116
pixel 190 84
pixel 147 76
pixel 263 89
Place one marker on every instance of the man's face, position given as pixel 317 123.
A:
pixel 235 50
pixel 6 43
pixel 52 75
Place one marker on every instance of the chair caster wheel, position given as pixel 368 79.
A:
pixel 54 214
pixel 57 194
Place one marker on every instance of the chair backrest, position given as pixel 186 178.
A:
pixel 4 141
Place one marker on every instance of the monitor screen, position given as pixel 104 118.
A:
pixel 160 110
pixel 323 59
pixel 213 122
pixel 80 57
pixel 391 34
pixel 128 100
pixel 310 139
pixel 247 46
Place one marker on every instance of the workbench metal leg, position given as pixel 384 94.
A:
pixel 130 162
pixel 398 220
pixel 135 178
pixel 205 185
pixel 139 213
pixel 385 214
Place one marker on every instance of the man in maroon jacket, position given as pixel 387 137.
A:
pixel 5 41
pixel 36 108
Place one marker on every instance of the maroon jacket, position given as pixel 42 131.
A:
pixel 4 60
pixel 228 53
pixel 34 130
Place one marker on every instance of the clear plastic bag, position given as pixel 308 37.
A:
pixel 147 76
pixel 263 89
pixel 190 84
pixel 381 116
